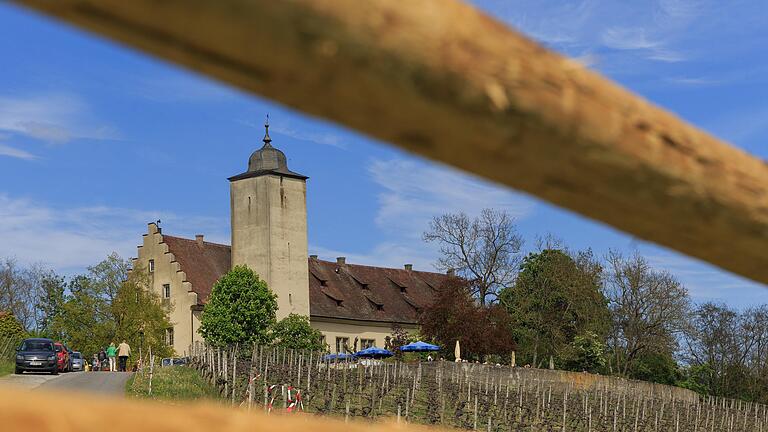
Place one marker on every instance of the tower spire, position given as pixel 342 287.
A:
pixel 267 140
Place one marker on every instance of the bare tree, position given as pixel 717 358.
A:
pixel 19 291
pixel 484 250
pixel 732 346
pixel 649 309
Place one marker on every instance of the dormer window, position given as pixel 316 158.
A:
pixel 323 283
pixel 339 303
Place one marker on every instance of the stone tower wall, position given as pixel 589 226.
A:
pixel 269 235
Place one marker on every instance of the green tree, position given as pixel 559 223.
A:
pixel 84 323
pixel 241 309
pixel 656 367
pixel 556 297
pixel 108 304
pixel 295 332
pixel 10 327
pixel 139 316
pixel 50 305
pixel 585 353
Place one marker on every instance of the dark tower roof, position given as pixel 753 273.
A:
pixel 267 160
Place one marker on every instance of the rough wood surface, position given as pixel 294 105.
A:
pixel 24 411
pixel 445 81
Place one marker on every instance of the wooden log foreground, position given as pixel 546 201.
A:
pixel 445 81
pixel 25 411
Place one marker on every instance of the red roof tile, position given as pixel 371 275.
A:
pixel 347 291
pixel 203 264
pixel 369 293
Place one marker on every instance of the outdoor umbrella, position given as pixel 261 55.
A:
pixel 374 352
pixel 338 357
pixel 457 352
pixel 419 346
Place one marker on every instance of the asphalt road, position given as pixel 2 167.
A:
pixel 105 383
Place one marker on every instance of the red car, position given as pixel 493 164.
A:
pixel 62 357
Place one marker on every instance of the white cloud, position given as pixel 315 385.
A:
pixel 627 38
pixel 6 150
pixel 622 34
pixel 329 139
pixel 70 239
pixel 693 81
pixel 706 282
pixel 386 254
pixel 412 193
pixel 179 87
pixel 323 138
pixel 53 118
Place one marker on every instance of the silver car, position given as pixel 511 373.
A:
pixel 76 360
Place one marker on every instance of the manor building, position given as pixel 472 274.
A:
pixel 353 306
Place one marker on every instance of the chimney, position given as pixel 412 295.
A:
pixel 341 260
pixel 199 239
pixel 451 272
pixel 409 267
pixel 313 256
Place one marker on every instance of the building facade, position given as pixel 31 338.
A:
pixel 353 306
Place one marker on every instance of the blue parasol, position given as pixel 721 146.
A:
pixel 419 346
pixel 374 352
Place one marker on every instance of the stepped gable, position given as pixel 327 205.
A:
pixel 203 262
pixel 365 293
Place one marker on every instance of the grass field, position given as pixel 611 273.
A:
pixel 6 367
pixel 173 383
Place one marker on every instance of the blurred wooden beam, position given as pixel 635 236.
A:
pixel 68 411
pixel 440 79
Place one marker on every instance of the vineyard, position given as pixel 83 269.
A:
pixel 464 395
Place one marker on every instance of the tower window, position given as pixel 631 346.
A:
pixel 169 336
pixel 167 291
pixel 151 266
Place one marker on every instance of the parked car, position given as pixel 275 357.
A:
pixel 76 361
pixel 62 357
pixel 37 354
pixel 174 361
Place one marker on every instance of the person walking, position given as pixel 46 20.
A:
pixel 123 351
pixel 111 354
pixel 102 360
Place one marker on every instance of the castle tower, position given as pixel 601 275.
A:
pixel 269 226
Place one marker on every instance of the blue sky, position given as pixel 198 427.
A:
pixel 97 140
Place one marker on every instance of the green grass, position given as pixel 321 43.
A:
pixel 172 383
pixel 6 367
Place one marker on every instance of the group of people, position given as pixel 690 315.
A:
pixel 113 358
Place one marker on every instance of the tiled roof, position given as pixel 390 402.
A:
pixel 203 263
pixel 351 291
pixel 346 291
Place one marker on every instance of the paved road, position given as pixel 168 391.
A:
pixel 111 383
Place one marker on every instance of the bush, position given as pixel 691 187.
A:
pixel 585 353
pixel 295 332
pixel 10 327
